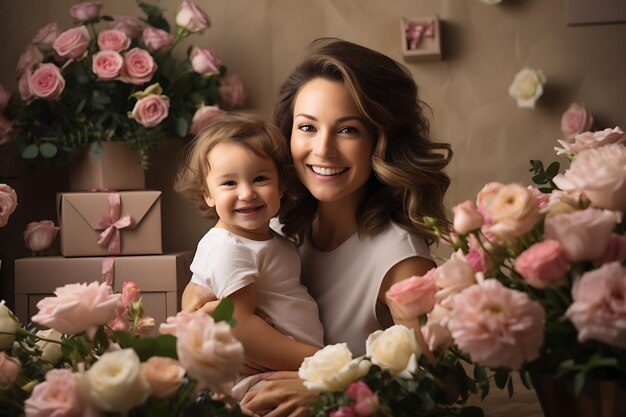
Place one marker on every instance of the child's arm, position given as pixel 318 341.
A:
pixel 262 343
pixel 195 297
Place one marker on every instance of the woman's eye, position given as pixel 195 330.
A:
pixel 306 128
pixel 260 178
pixel 349 130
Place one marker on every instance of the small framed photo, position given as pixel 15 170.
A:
pixel 421 38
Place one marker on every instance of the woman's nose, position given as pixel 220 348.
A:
pixel 324 145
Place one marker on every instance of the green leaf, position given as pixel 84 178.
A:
pixel 163 345
pixel 579 383
pixel 48 150
pixel 80 106
pixel 82 79
pixel 30 152
pixel 553 169
pixel 540 179
pixel 501 377
pixel 479 373
pixel 182 127
pixel 224 310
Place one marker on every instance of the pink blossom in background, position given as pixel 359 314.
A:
pixel 76 308
pixel 156 39
pixel 130 292
pixel 46 36
pixel 57 396
pixel 584 235
pixel 72 43
pixel 145 325
pixel 190 17
pixel 477 260
pixel 9 370
pixel 119 323
pixel 151 110
pixel 513 211
pixel 467 217
pixel 174 323
pixel 204 62
pixel 435 331
pixel 113 40
pixel 8 203
pixel 86 10
pixel 484 195
pixel 591 140
pixel 345 411
pixel 410 298
pixel 599 307
pixel 130 25
pixel 615 250
pixel 6 127
pixel 497 326
pixel 232 91
pixel 203 116
pixel 542 198
pixel 4 97
pixel 164 375
pixel 575 120
pixel 452 277
pixel 478 255
pixel 107 64
pixel 31 57
pixel 543 264
pixel 23 86
pixel 139 66
pixel 38 236
pixel 47 82
pixel 366 403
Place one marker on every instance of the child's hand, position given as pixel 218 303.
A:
pixel 195 297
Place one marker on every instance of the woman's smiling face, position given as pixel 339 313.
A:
pixel 331 143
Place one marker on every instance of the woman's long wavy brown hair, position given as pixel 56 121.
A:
pixel 408 181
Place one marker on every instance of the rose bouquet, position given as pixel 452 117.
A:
pixel 92 362
pixel 537 282
pixel 114 79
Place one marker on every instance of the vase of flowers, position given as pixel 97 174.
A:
pixel 115 78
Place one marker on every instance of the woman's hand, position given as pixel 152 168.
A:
pixel 281 395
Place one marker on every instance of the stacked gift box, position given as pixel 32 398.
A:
pixel 110 231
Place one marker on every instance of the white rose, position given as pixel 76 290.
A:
pixel 394 349
pixel 452 277
pixel 8 326
pixel 51 351
pixel 332 369
pixel 115 382
pixel 527 87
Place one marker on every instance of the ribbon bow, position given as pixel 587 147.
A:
pixel 415 31
pixel 112 225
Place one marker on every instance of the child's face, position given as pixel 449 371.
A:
pixel 244 189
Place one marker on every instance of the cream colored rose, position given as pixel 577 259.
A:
pixel 394 349
pixel 514 212
pixel 527 87
pixel 164 375
pixel 8 326
pixel 115 382
pixel 51 351
pixel 561 202
pixel 332 369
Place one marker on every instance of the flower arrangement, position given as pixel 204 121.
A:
pixel 92 362
pixel 537 282
pixel 114 79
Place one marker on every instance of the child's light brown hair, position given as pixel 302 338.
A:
pixel 245 128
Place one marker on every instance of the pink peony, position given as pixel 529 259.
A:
pixel 151 110
pixel 47 82
pixel 4 97
pixel 164 375
pixel 8 203
pixel 9 370
pixel 484 195
pixel 591 140
pixel 232 91
pixel 107 64
pixel 575 120
pixel 366 403
pixel 76 308
pixel 57 396
pixel 497 326
pixel 412 297
pixel 156 39
pixel 190 17
pixel 72 43
pixel 452 277
pixel 86 11
pixel 113 40
pixel 46 36
pixel 31 57
pixel 6 128
pixel 542 199
pixel 139 66
pixel 466 218
pixel 599 307
pixel 203 116
pixel 542 264
pixel 204 62
pixel 24 87
pixel 130 25
pixel 436 333
pixel 38 236
pixel 615 250
pixel 584 235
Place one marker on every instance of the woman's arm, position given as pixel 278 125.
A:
pixel 196 296
pixel 283 394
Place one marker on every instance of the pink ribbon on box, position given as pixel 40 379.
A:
pixel 112 223
pixel 415 31
pixel 108 270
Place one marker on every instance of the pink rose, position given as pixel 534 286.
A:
pixel 78 307
pixel 615 250
pixel 575 120
pixel 591 140
pixel 484 195
pixel 4 97
pixel 146 324
pixel 47 82
pixel 366 403
pixel 452 277
pixel 38 236
pixel 130 292
pixel 130 25
pixel 6 127
pixel 156 39
pixel 436 333
pixel 543 264
pixel 497 326
pixel 30 57
pixel 9 370
pixel 467 218
pixel 46 36
pixel 164 375
pixel 72 43
pixel 478 260
pixel 190 17
pixel 139 66
pixel 584 235
pixel 513 211
pixel 203 116
pixel 412 297
pixel 345 411
pixel 86 11
pixel 599 307
pixel 24 87
pixel 232 91
pixel 113 40
pixel 8 203
pixel 107 64
pixel 151 110
pixel 119 323
pixel 542 199
pixel 57 396
pixel 204 62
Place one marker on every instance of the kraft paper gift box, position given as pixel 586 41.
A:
pixel 161 279
pixel 81 218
